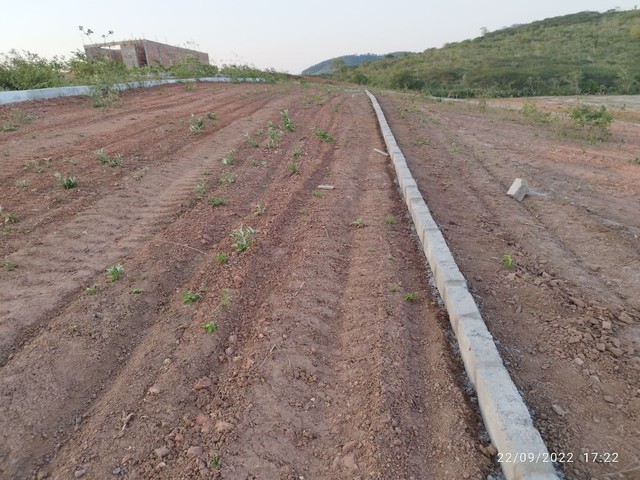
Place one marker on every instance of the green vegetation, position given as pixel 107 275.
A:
pixel 15 119
pixel 190 297
pixel 317 193
pixel 259 211
pixel 293 168
pixel 196 124
pixel 114 272
pixel 37 167
pixel 222 258
pixel 508 261
pixel 114 161
pixel 358 222
pixel 91 290
pixel 242 238
pixel 287 123
pixel 230 158
pixel 389 219
pixel 251 141
pixel 636 161
pixel 274 135
pixel 410 297
pixel 8 217
pixel 8 265
pixel 22 184
pixel 324 136
pixel 217 202
pixel 595 121
pixel 136 291
pixel 140 173
pixel 26 70
pixel 228 178
pixel 210 326
pixel 201 189
pixel 582 53
pixel 297 153
pixel 225 300
pixel 65 182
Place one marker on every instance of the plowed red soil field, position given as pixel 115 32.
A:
pixel 320 351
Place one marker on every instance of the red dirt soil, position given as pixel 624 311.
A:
pixel 318 366
pixel 566 315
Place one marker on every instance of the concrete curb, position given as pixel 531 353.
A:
pixel 521 448
pixel 15 96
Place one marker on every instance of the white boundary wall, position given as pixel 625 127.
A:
pixel 521 448
pixel 15 96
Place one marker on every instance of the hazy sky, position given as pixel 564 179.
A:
pixel 283 34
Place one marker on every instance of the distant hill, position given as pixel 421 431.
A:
pixel 582 53
pixel 328 66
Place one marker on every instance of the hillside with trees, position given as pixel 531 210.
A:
pixel 582 53
pixel 336 64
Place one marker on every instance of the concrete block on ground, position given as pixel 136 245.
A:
pixel 510 426
pixel 519 188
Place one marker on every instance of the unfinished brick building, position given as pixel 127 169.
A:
pixel 139 53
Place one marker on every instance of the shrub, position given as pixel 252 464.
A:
pixel 26 70
pixel 596 120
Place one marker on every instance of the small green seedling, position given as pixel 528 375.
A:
pixel 230 159
pixel 217 202
pixel 297 153
pixel 91 290
pixel 228 178
pixel 9 266
pixel 242 238
pixel 211 116
pixel 201 189
pixel 136 291
pixel 114 161
pixel 251 141
pixel 317 193
pixel 114 272
pixel 139 174
pixel 389 219
pixel 358 223
pixel 254 163
pixel 636 161
pixel 293 168
pixel 210 326
pixel 215 462
pixel 196 124
pixel 22 184
pixel 225 301
pixel 190 297
pixel 324 136
pixel 222 258
pixel 395 288
pixel 259 211
pixel 410 297
pixel 508 261
pixel 287 123
pixel 65 182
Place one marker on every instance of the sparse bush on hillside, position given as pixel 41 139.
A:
pixel 595 120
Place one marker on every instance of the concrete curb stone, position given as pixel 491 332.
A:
pixel 504 412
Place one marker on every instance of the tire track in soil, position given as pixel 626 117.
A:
pixel 316 368
pixel 157 148
pixel 100 235
pixel 176 189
